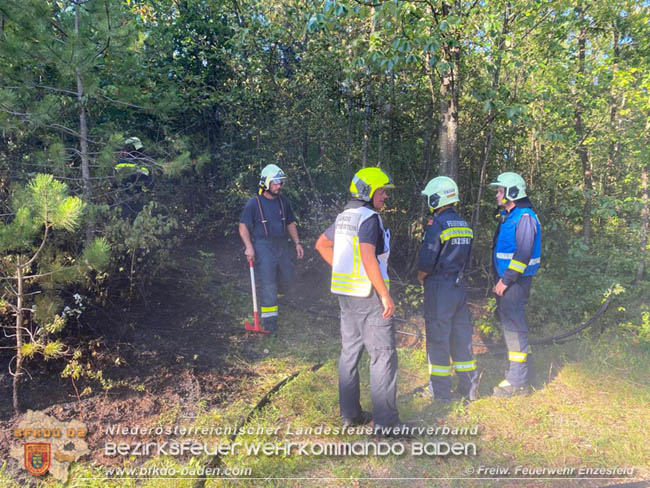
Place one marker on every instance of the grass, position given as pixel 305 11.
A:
pixel 589 409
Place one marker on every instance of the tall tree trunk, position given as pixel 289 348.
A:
pixel 83 132
pixel 581 150
pixel 449 90
pixel 448 128
pixel 645 223
pixel 18 372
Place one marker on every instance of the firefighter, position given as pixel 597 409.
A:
pixel 357 246
pixel 443 257
pixel 265 223
pixel 516 257
pixel 133 177
pixel 130 165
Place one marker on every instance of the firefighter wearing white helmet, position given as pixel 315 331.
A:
pixel 265 225
pixel 135 142
pixel 516 257
pixel 443 257
pixel 271 173
pixel 133 177
pixel 357 246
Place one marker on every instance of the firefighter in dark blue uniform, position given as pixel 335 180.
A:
pixel 265 223
pixel 516 257
pixel 443 258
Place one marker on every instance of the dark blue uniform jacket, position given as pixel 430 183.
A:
pixel 446 246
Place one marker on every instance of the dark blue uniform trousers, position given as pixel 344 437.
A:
pixel 449 333
pixel 273 267
pixel 362 325
pixel 511 309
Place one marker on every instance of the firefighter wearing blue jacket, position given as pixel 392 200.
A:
pixel 443 258
pixel 516 257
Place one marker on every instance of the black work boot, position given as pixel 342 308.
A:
pixel 362 419
pixel 470 396
pixel 506 390
pixel 439 397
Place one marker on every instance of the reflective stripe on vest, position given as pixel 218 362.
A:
pixel 132 166
pixel 348 274
pixel 447 234
pixel 506 244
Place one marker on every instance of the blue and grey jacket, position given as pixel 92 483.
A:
pixel 517 245
pixel 446 246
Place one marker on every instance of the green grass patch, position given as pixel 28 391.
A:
pixel 589 408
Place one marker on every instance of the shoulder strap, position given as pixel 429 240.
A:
pixel 263 220
pixel 284 220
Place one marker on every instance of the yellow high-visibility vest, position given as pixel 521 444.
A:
pixel 348 274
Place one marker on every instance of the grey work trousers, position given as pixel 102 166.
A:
pixel 362 325
pixel 511 309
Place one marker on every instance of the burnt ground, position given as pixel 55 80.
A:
pixel 165 355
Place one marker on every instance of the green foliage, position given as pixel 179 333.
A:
pixel 21 233
pixel 487 322
pixel 216 90
pixel 56 325
pixel 47 307
pixel 50 204
pixel 30 349
pixel 140 248
pixel 76 370
pixel 97 254
pixel 412 299
pixel 43 206
pixel 641 328
pixel 54 349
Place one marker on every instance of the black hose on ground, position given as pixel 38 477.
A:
pixel 492 349
pixel 556 339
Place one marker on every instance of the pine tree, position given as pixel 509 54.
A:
pixel 32 266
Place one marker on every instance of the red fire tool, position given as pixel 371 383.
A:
pixel 256 316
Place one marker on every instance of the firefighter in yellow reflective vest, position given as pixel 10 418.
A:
pixel 133 177
pixel 357 246
pixel 516 255
pixel 130 165
pixel 443 257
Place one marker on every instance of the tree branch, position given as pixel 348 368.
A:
pixel 38 251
